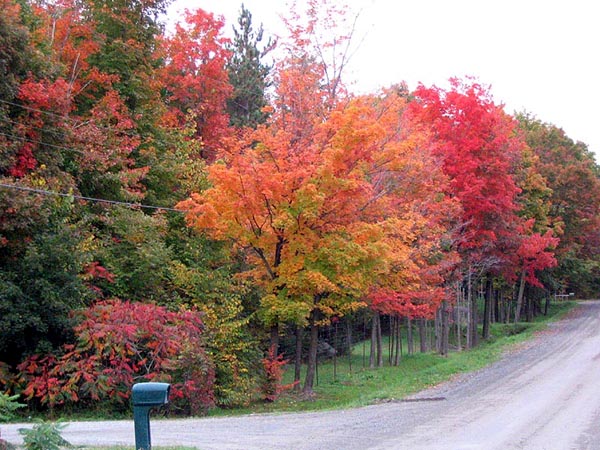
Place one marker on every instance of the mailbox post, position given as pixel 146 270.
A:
pixel 146 396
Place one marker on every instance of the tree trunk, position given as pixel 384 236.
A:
pixel 312 355
pixel 274 339
pixel 392 320
pixel 530 306
pixel 298 358
pixel 410 342
pixel 520 297
pixel 379 342
pixel 469 296
pixel 335 351
pixel 474 314
pixel 496 317
pixel 437 326
pixel 445 331
pixel 422 336
pixel 487 311
pixel 349 341
pixel 398 341
pixel 458 317
pixel 373 351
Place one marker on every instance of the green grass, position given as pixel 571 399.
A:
pixel 363 386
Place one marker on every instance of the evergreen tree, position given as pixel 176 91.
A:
pixel 248 74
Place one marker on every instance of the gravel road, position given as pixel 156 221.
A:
pixel 544 395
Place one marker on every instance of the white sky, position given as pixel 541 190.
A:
pixel 539 56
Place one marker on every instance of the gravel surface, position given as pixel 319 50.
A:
pixel 544 395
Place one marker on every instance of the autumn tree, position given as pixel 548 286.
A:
pixel 571 173
pixel 195 77
pixel 478 146
pixel 320 221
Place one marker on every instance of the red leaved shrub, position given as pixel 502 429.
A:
pixel 119 344
pixel 274 366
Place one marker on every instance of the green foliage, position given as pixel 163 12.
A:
pixel 129 30
pixel 203 276
pixel 39 289
pixel 248 73
pixel 8 406
pixel 133 249
pixel 14 52
pixel 44 436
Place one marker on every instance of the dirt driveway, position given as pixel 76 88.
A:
pixel 546 395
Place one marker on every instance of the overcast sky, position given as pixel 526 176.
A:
pixel 538 56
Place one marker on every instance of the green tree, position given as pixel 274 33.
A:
pixel 129 30
pixel 248 74
pixel 42 286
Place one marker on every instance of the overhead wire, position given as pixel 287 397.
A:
pixel 33 141
pixel 90 199
pixel 68 118
pixel 60 147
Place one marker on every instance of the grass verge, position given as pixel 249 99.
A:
pixel 354 385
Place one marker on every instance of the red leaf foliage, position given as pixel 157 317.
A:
pixel 119 344
pixel 274 368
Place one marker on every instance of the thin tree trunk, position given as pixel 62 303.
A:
pixel 496 316
pixel 349 341
pixel 391 341
pixel 400 335
pixel 530 306
pixel 298 358
pixel 364 346
pixel 274 339
pixel 335 347
pixel 422 336
pixel 437 326
pixel 469 311
pixel 458 317
pixel 379 341
pixel 430 337
pixel 445 328
pixel 398 341
pixel 487 310
pixel 373 351
pixel 312 355
pixel 474 314
pixel 520 297
pixel 410 342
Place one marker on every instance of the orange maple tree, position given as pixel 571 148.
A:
pixel 324 217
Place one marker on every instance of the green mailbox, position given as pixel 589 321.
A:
pixel 144 397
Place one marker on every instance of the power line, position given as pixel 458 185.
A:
pixel 60 147
pixel 90 199
pixel 31 127
pixel 72 119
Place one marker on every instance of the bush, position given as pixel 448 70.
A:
pixel 271 386
pixel 8 405
pixel 119 344
pixel 44 436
